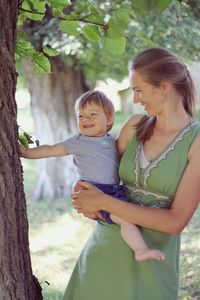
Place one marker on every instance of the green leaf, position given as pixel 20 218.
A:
pixel 59 4
pixel 58 13
pixel 51 52
pixel 24 49
pixel 142 7
pixel 91 33
pixel 69 27
pixel 118 23
pixel 96 15
pixel 21 19
pixel 41 63
pixel 23 140
pixel 160 6
pixel 37 9
pixel 113 46
pixel 122 17
pixel 35 17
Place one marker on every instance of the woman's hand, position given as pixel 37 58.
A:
pixel 88 200
pixel 95 215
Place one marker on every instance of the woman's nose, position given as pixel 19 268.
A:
pixel 136 98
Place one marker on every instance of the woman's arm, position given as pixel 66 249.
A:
pixel 171 220
pixel 126 133
pixel 43 151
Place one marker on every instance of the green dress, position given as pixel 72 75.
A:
pixel 106 268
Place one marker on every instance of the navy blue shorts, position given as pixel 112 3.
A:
pixel 114 190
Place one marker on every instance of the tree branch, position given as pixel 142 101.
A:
pixel 62 18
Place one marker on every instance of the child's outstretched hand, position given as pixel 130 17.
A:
pixel 24 140
pixel 22 150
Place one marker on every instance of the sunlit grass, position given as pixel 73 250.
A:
pixel 57 235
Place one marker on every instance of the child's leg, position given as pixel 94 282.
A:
pixel 132 236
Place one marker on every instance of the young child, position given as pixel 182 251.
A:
pixel 95 157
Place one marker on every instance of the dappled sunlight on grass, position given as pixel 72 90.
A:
pixel 57 236
pixel 54 233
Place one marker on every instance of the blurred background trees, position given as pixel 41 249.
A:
pixel 86 41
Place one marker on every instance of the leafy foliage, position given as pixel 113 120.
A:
pixel 99 22
pixel 104 35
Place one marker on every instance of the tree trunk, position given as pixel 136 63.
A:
pixel 16 279
pixel 52 104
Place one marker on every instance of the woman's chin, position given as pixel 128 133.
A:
pixel 150 113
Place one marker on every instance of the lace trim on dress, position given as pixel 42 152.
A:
pixel 162 156
pixel 137 165
pixel 148 193
pixel 146 198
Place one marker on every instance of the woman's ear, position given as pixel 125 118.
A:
pixel 165 85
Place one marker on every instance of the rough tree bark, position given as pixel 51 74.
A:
pixel 52 105
pixel 16 279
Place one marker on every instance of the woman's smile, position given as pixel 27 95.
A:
pixel 88 126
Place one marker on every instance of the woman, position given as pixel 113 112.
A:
pixel 160 168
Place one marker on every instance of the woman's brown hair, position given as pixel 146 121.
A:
pixel 157 65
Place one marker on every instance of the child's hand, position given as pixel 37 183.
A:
pixel 22 150
pixel 25 139
pixel 77 186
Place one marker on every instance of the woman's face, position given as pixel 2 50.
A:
pixel 148 95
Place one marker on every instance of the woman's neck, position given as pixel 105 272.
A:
pixel 172 119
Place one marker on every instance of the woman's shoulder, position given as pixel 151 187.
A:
pixel 129 127
pixel 127 132
pixel 133 120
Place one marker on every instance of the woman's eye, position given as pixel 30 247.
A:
pixel 93 114
pixel 80 116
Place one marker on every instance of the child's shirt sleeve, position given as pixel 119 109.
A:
pixel 72 144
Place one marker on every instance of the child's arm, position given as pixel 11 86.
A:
pixel 43 151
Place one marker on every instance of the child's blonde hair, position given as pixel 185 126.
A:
pixel 101 100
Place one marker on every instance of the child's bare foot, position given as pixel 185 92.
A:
pixel 147 253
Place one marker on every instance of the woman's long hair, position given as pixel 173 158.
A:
pixel 157 65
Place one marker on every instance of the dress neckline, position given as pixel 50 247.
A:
pixel 144 162
pixel 146 171
pixel 179 134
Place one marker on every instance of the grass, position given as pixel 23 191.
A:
pixel 57 234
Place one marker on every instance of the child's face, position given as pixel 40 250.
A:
pixel 92 121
